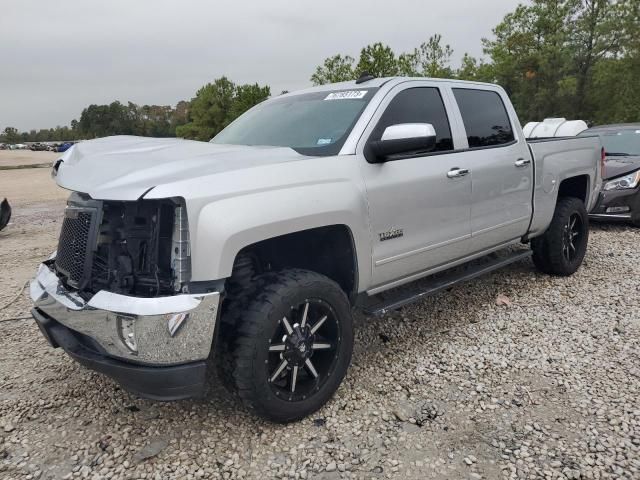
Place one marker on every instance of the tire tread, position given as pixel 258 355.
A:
pixel 547 249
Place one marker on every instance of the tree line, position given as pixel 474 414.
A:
pixel 214 106
pixel 563 58
pixel 568 58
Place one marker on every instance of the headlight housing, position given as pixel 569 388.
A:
pixel 621 183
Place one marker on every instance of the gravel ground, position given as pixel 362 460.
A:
pixel 543 383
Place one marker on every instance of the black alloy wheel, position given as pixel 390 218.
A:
pixel 572 237
pixel 303 350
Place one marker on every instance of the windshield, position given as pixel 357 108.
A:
pixel 621 142
pixel 312 124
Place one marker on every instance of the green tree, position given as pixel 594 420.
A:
pixel 378 60
pixel 431 59
pixel 334 69
pixel 614 94
pixel 103 120
pixel 475 70
pixel 209 111
pixel 216 105
pixel 596 35
pixel 562 57
pixel 531 59
pixel 180 115
pixel 246 96
pixel 10 135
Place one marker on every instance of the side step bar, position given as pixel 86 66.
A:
pixel 379 305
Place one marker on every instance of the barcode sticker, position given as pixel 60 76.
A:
pixel 346 95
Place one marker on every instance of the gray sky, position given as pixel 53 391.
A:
pixel 59 56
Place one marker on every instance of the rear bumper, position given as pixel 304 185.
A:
pixel 164 383
pixel 155 347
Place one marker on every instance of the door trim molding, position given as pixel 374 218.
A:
pixel 501 225
pixel 400 256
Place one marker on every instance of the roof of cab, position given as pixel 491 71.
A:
pixel 379 82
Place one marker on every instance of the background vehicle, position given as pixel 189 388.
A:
pixel 620 197
pixel 64 147
pixel 38 147
pixel 262 241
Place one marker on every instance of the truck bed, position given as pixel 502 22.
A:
pixel 556 159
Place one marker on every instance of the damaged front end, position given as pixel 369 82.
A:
pixel 138 248
pixel 116 296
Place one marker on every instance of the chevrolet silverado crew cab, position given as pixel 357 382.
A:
pixel 255 248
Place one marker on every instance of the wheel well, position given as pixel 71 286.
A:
pixel 575 187
pixel 328 250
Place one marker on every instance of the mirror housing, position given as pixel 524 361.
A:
pixel 402 138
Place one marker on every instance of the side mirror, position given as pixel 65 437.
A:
pixel 402 138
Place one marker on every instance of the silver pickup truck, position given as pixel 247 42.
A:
pixel 250 252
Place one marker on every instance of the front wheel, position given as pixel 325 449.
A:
pixel 562 248
pixel 293 346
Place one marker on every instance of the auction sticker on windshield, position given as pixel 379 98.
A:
pixel 346 95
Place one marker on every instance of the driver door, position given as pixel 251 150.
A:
pixel 419 208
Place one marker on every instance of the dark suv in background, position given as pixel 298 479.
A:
pixel 620 196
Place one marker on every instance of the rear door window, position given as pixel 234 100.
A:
pixel 485 118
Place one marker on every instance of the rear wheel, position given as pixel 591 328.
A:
pixel 561 250
pixel 293 345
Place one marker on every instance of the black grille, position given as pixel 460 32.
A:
pixel 74 255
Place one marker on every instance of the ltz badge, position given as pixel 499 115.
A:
pixel 391 234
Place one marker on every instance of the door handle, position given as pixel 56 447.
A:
pixel 522 162
pixel 457 172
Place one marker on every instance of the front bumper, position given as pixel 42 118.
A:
pixel 164 383
pixel 128 338
pixel 618 205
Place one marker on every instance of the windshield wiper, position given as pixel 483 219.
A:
pixel 617 154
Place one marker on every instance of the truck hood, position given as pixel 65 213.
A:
pixel 618 166
pixel 126 167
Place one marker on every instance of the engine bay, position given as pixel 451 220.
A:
pixel 133 249
pixel 137 248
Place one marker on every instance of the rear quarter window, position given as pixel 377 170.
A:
pixel 485 118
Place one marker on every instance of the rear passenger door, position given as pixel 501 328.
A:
pixel 419 211
pixel 500 164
